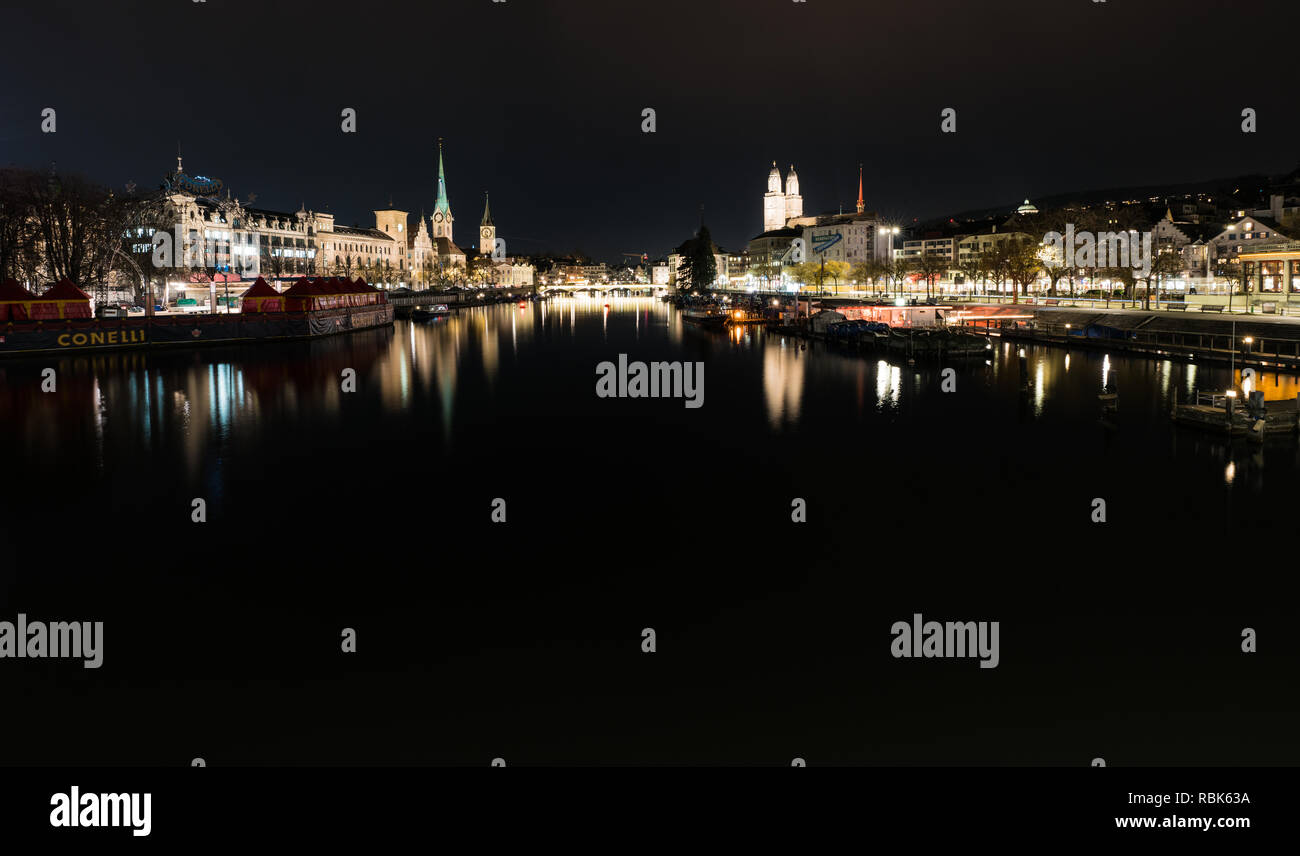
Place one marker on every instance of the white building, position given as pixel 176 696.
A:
pixel 780 206
pixel 789 237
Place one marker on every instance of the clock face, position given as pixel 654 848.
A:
pixel 487 233
pixel 437 217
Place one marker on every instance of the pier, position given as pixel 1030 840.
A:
pixel 405 304
pixel 1272 343
pixel 1222 413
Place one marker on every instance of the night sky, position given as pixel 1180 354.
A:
pixel 540 104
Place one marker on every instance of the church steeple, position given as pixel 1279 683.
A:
pixel 793 200
pixel 487 232
pixel 442 218
pixel 442 204
pixel 861 205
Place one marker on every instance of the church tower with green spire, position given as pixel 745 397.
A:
pixel 487 230
pixel 442 219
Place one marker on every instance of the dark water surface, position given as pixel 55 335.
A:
pixel 371 510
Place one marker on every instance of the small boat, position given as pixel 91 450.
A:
pixel 418 314
pixel 711 317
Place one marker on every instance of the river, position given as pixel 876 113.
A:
pixel 372 510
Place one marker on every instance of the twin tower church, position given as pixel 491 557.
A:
pixel 780 207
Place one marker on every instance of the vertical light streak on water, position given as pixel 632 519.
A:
pixel 98 400
pixel 1039 387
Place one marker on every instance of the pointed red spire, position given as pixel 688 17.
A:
pixel 861 205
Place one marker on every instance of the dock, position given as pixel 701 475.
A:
pixel 1221 414
pixel 1265 343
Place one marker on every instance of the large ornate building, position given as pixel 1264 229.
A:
pixel 210 233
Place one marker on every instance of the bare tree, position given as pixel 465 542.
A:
pixel 18 234
pixel 80 226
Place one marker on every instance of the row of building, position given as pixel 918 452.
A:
pixel 218 237
pixel 1209 234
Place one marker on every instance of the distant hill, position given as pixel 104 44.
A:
pixel 1252 190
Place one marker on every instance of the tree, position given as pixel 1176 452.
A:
pixel 811 274
pixel 993 262
pixel 698 269
pixel 1234 271
pixel 930 267
pixel 865 272
pixel 272 263
pixel 1054 265
pixel 1124 275
pixel 79 226
pixel 1022 265
pixel 18 234
pixel 1166 264
pixel 897 271
pixel 837 272
pixel 970 269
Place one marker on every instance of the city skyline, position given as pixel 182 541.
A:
pixel 394 390
pixel 529 114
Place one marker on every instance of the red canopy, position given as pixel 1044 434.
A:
pixel 261 297
pixel 303 295
pixel 64 290
pixel 15 301
pixel 11 290
pixel 261 289
pixel 62 300
pixel 304 287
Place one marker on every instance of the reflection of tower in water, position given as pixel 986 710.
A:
pixel 491 349
pixel 782 383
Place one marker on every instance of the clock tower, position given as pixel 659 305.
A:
pixel 487 230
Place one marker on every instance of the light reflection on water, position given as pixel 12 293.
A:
pixel 782 382
pixel 534 367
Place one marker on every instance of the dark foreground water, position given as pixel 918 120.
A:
pixel 371 510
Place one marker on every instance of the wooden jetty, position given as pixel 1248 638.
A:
pixel 1222 414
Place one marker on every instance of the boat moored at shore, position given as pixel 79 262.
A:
pixel 309 309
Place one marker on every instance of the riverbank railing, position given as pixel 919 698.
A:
pixel 1278 350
